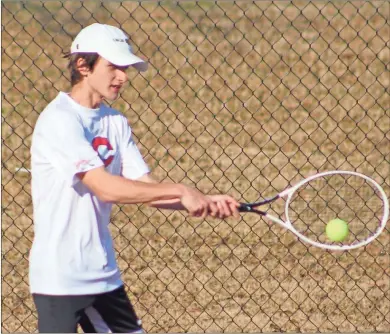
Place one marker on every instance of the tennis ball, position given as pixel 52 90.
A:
pixel 337 229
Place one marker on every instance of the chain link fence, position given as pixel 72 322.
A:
pixel 240 96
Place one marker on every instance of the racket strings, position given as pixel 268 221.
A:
pixel 347 197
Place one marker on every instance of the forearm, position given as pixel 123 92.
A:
pixel 173 204
pixel 117 189
pixel 227 206
pixel 126 191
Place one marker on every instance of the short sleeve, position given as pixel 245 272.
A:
pixel 59 140
pixel 133 164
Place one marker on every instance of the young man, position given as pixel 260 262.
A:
pixel 83 160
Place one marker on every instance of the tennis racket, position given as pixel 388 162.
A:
pixel 313 202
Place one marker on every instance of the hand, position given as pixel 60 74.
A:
pixel 198 204
pixel 227 206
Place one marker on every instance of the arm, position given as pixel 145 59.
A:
pixel 146 189
pixel 170 204
pixel 226 205
pixel 117 189
pixel 134 168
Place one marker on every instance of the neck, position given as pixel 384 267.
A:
pixel 85 96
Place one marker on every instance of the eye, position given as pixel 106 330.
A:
pixel 122 68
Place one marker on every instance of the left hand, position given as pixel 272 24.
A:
pixel 227 206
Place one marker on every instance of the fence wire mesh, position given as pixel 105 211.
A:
pixel 240 96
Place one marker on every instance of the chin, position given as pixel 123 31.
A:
pixel 111 97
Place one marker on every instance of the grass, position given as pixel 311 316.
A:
pixel 240 97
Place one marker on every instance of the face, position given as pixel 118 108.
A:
pixel 106 79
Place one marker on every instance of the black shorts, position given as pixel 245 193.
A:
pixel 101 313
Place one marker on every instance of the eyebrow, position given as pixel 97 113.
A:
pixel 125 67
pixel 113 65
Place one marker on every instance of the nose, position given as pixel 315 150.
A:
pixel 122 75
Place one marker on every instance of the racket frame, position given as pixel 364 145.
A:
pixel 288 194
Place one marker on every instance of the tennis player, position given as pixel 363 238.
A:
pixel 83 160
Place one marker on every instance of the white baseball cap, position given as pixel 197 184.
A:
pixel 108 42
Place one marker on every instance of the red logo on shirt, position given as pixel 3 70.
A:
pixel 104 149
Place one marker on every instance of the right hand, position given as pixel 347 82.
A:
pixel 197 204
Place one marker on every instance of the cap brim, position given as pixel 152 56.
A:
pixel 141 66
pixel 126 59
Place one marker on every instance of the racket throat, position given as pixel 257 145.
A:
pixel 250 208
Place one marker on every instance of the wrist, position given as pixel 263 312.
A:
pixel 181 189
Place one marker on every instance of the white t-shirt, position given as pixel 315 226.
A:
pixel 73 251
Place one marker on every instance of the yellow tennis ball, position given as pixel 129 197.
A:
pixel 337 229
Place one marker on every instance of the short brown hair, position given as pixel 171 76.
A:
pixel 90 60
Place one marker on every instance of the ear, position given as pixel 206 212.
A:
pixel 82 67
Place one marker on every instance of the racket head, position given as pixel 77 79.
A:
pixel 353 197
